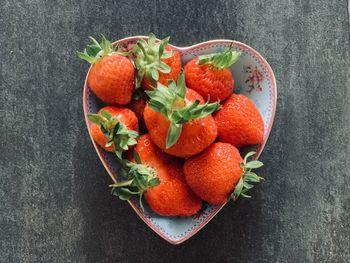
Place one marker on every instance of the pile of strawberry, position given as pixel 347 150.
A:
pixel 174 131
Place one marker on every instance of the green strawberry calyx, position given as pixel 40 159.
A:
pixel 171 102
pixel 148 59
pixel 95 51
pixel 220 60
pixel 248 177
pixel 115 131
pixel 138 179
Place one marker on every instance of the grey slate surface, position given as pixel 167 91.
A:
pixel 54 203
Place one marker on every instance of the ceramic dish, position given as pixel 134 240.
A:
pixel 253 78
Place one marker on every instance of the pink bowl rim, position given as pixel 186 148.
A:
pixel 259 151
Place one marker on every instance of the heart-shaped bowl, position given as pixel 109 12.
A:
pixel 253 78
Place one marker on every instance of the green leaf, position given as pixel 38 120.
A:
pixel 137 157
pixel 95 51
pixel 238 188
pixel 118 153
pixel 106 114
pixel 246 196
pixel 180 117
pixel 151 39
pixel 252 177
pixel 140 182
pixel 156 105
pixel 154 74
pixel 248 155
pixel 220 60
pixel 204 110
pixel 141 44
pixel 140 203
pixel 184 116
pixel 154 182
pixel 86 57
pixel 167 54
pixel 247 185
pixel 162 45
pixel 120 184
pixel 150 78
pixel 95 118
pixel 132 141
pixel 193 105
pixel 254 164
pixel 181 92
pixel 162 67
pixel 94 41
pixel 105 44
pixel 173 134
pixel 109 143
pixel 124 193
pixel 209 109
pixel 139 76
pixel 172 86
pixel 204 59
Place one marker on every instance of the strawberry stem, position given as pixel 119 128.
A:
pixel 171 102
pixel 138 179
pixel 95 51
pixel 220 60
pixel 143 50
pixel 117 133
pixel 149 55
pixel 248 177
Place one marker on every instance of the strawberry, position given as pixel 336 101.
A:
pixel 209 76
pixel 135 179
pixel 137 105
pixel 172 197
pixel 114 129
pixel 239 122
pixel 155 62
pixel 178 121
pixel 112 75
pixel 219 173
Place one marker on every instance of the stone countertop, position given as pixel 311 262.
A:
pixel 55 206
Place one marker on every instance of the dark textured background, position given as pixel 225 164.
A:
pixel 54 202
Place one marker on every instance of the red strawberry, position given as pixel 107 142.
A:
pixel 138 106
pixel 112 75
pixel 156 62
pixel 220 173
pixel 172 197
pixel 114 129
pixel 178 121
pixel 209 76
pixel 239 122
